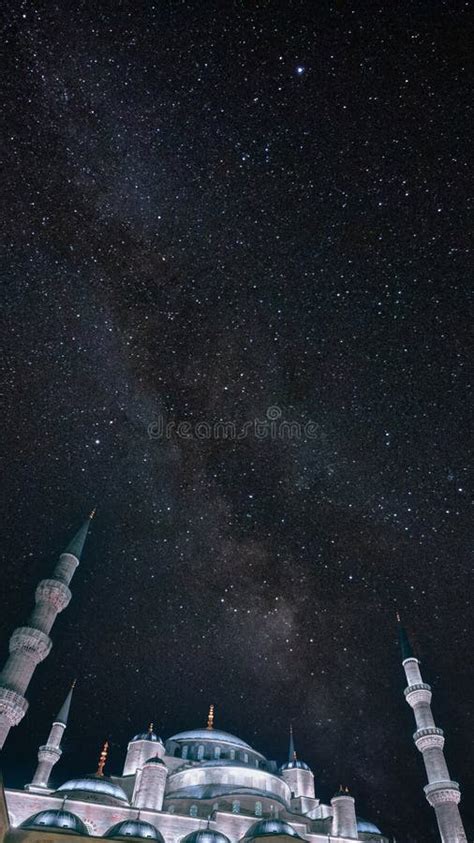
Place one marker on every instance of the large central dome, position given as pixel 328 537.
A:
pixel 209 735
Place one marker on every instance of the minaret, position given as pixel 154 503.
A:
pixel 30 644
pixel 442 793
pixel 51 752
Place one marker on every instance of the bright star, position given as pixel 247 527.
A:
pixel 300 70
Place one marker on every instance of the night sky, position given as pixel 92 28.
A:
pixel 236 212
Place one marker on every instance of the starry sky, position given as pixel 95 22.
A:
pixel 231 213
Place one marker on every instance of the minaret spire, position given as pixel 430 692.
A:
pixel 30 644
pixel 291 746
pixel 102 759
pixel 50 753
pixel 442 793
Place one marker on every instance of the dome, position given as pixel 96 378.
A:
pixel 295 765
pixel 134 828
pixel 365 825
pixel 56 819
pixel 147 736
pixel 265 827
pixel 210 735
pixel 97 786
pixel 205 835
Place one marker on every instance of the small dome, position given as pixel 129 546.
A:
pixel 147 736
pixel 205 835
pixel 97 786
pixel 365 825
pixel 56 819
pixel 134 828
pixel 266 827
pixel 295 765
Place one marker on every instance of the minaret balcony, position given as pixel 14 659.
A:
pixel 13 706
pixel 438 793
pixel 429 738
pixel 54 592
pixel 32 642
pixel 418 693
pixel 49 753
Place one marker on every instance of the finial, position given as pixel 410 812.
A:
pixel 210 717
pixel 150 729
pixel 92 513
pixel 291 746
pixel 398 616
pixel 73 684
pixel 102 759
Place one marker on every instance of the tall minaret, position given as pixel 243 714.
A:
pixel 30 644
pixel 51 752
pixel 441 792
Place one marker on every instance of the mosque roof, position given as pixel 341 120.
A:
pixel 57 819
pixel 210 735
pixel 134 828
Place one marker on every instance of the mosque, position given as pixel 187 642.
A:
pixel 199 786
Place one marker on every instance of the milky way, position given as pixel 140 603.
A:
pixel 219 214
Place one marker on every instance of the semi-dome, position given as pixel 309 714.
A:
pixel 98 788
pixel 57 819
pixel 210 735
pixel 365 825
pixel 263 828
pixel 295 765
pixel 134 828
pixel 205 835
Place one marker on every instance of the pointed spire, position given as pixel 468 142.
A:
pixel 404 641
pixel 76 545
pixel 63 713
pixel 291 746
pixel 102 759
pixel 210 717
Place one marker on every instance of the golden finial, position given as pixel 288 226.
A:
pixel 73 684
pixel 93 513
pixel 102 759
pixel 150 729
pixel 210 717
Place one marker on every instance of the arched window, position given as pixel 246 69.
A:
pixel 246 757
pixel 171 809
pixel 217 752
pixel 258 809
pixel 200 752
pixel 232 754
pixel 184 753
pixel 236 806
pixel 215 807
pixel 193 811
pixel 256 763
